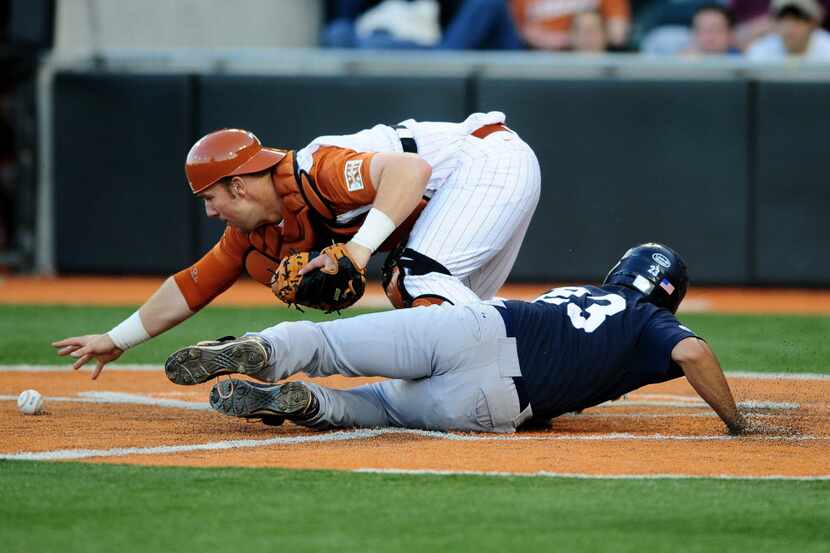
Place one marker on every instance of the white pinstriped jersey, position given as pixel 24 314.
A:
pixel 483 194
pixel 438 143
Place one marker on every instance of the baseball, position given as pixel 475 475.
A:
pixel 30 402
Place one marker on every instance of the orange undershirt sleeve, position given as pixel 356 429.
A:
pixel 215 272
pixel 344 177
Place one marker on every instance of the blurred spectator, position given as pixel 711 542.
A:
pixel 753 20
pixel 796 33
pixel 423 24
pixel 712 31
pixel 546 24
pixel 665 27
pixel 666 40
pixel 484 24
pixel 588 33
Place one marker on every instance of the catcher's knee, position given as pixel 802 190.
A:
pixel 405 261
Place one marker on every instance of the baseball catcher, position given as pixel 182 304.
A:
pixel 457 197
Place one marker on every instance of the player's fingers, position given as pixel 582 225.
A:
pixel 82 361
pixel 99 366
pixel 314 264
pixel 80 351
pixel 67 350
pixel 330 266
pixel 74 341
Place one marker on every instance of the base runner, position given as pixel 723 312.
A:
pixel 486 366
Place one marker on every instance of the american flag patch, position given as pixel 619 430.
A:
pixel 667 286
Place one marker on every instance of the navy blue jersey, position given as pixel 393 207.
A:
pixel 582 345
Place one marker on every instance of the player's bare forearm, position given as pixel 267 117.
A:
pixel 704 373
pixel 400 180
pixel 164 309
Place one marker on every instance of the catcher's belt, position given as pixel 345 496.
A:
pixel 410 146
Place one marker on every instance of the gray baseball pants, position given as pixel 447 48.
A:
pixel 450 368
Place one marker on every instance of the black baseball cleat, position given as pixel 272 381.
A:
pixel 250 400
pixel 206 360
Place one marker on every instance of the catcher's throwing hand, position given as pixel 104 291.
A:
pixel 84 348
pixel 358 254
pixel 331 280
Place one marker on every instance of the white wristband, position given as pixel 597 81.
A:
pixel 129 333
pixel 375 229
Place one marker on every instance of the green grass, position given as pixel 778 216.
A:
pixel 27 331
pixel 84 507
pixel 779 343
pixel 78 507
pixel 766 343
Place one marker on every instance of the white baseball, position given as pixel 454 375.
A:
pixel 30 402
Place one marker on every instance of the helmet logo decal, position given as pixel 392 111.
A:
pixel 661 259
pixel 656 271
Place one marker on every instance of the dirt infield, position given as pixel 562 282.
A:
pixel 135 415
pixel 138 417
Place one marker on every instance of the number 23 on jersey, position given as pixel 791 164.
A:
pixel 590 318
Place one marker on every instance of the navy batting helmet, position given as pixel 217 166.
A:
pixel 655 270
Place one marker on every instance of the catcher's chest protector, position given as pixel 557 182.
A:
pixel 309 223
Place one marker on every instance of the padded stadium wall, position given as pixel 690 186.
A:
pixel 727 166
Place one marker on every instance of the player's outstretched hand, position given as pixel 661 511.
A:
pixel 84 348
pixel 748 425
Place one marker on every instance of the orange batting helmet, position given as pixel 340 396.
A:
pixel 226 153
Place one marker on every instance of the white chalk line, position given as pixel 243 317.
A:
pixel 125 398
pixel 149 367
pixel 585 476
pixel 135 399
pixel 612 436
pixel 777 376
pixel 350 435
pixel 132 399
pixel 675 400
pixel 121 399
pixel 637 415
pixel 66 454
pixel 698 404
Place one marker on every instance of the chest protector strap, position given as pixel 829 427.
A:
pixel 309 219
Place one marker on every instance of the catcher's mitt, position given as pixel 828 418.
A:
pixel 320 289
